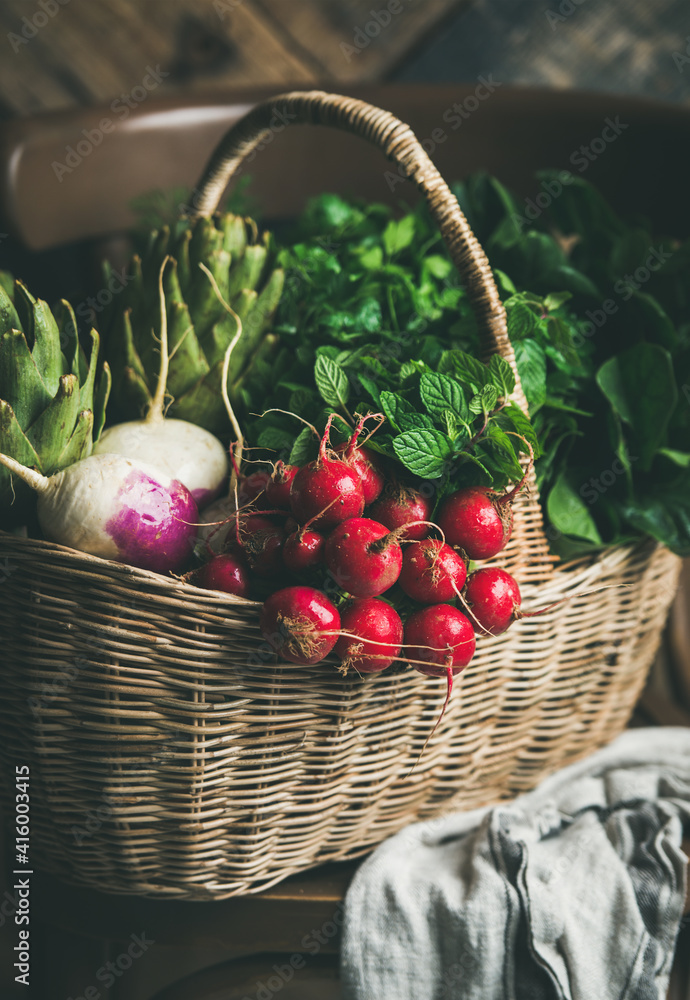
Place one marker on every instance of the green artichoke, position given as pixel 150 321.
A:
pixel 200 328
pixel 52 405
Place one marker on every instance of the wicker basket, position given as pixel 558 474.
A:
pixel 171 755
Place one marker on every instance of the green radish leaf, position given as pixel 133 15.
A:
pixel 425 452
pixel 568 512
pixel 304 447
pixel 640 386
pixel 331 381
pixel 440 393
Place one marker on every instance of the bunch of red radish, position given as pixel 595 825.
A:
pixel 311 534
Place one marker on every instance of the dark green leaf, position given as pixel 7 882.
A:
pixel 569 514
pixel 531 366
pixel 304 447
pixel 440 393
pixel 331 381
pixel 424 452
pixel 640 386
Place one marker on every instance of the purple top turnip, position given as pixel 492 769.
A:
pixel 183 450
pixel 117 508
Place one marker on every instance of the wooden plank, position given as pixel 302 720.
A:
pixel 91 51
pixel 357 40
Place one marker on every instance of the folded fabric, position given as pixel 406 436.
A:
pixel 574 891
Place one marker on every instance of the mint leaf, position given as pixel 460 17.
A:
pixel 521 320
pixel 531 365
pixel 440 393
pixel 502 375
pixel 395 407
pixel 424 452
pixel 485 400
pixel 331 381
pixel 304 447
pixel 465 368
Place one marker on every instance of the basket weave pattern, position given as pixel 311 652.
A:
pixel 168 756
pixel 171 755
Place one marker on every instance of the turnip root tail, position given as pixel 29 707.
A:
pixel 32 478
pixel 155 410
pixel 239 442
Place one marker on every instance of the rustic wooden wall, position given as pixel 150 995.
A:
pixel 60 53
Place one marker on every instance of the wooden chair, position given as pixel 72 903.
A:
pixel 230 949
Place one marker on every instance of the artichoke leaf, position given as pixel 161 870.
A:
pixel 13 442
pixel 9 320
pixel 46 350
pixel 100 400
pixel 234 235
pixel 53 428
pixel 69 336
pixel 248 270
pixel 24 304
pixel 20 382
pixel 80 444
pixel 86 391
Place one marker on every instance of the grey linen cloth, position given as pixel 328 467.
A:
pixel 574 891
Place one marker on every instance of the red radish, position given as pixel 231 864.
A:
pixel 227 572
pixel 365 463
pixel 401 506
pixel 253 488
pixel 117 508
pixel 477 520
pixel 432 572
pixel 375 638
pixel 441 637
pixel 180 449
pixel 262 543
pixel 493 598
pixel 278 485
pixel 300 623
pixel 303 549
pixel 363 557
pixel 326 491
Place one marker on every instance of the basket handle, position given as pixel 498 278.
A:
pixel 527 555
pixel 399 143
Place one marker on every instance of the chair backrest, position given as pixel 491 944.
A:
pixel 72 175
